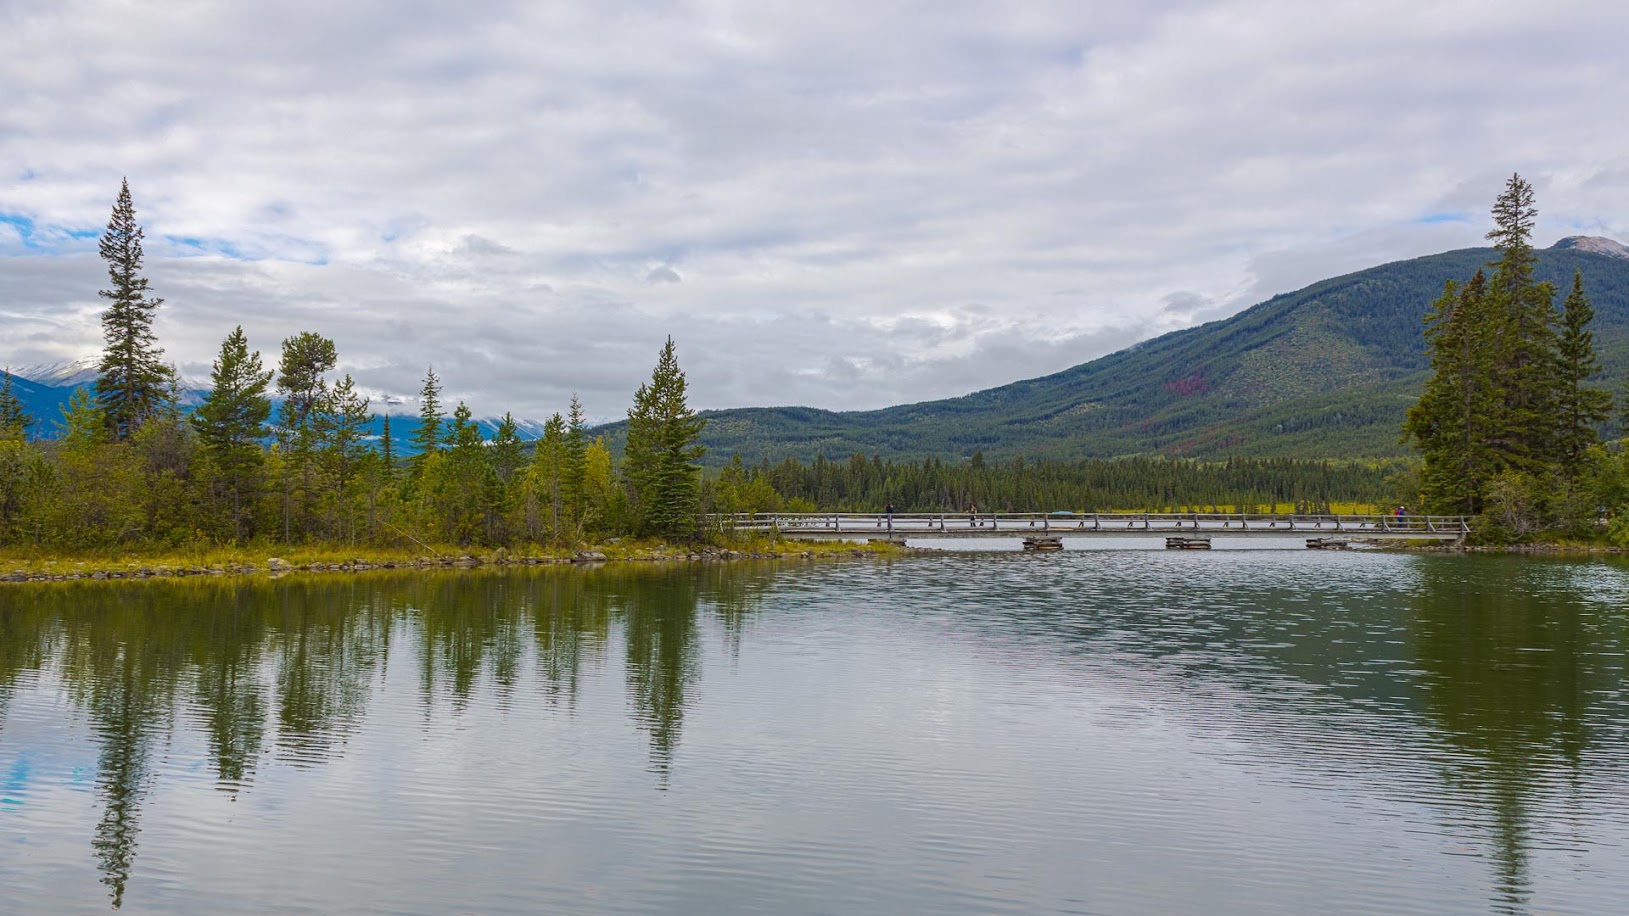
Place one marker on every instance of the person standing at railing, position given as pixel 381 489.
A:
pixel 972 514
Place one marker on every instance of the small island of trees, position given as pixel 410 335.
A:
pixel 1508 426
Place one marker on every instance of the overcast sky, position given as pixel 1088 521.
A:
pixel 838 204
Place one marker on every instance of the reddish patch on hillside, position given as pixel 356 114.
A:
pixel 1189 386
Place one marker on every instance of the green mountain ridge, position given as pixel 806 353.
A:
pixel 1327 371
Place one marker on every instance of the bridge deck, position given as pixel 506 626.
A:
pixel 915 526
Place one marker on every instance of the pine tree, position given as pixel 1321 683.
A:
pixel 132 383
pixel 231 420
pixel 659 459
pixel 1581 410
pixel 306 356
pixel 14 418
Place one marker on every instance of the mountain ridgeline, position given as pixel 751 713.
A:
pixel 1328 371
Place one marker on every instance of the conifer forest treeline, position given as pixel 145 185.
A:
pixel 1507 429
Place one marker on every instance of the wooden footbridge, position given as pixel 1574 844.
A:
pixel 1179 528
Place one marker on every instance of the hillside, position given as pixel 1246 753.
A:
pixel 1325 371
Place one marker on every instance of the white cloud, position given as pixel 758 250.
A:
pixel 865 203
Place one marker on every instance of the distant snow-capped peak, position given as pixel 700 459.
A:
pixel 64 373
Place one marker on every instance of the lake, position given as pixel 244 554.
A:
pixel 1092 731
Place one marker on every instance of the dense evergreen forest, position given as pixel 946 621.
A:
pixel 1509 424
pixel 1094 485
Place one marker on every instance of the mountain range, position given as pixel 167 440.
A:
pixel 1327 371
pixel 45 389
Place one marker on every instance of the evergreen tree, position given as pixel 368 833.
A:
pixel 661 451
pixel 1581 410
pixel 544 508
pixel 463 433
pixel 1451 421
pixel 83 424
pixel 231 421
pixel 462 480
pixel 427 437
pixel 387 451
pixel 1623 410
pixel 506 449
pixel 300 382
pixel 1493 408
pixel 341 425
pixel 306 356
pixel 1524 342
pixel 573 464
pixel 132 382
pixel 14 418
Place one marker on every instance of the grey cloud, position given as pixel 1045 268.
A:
pixel 872 203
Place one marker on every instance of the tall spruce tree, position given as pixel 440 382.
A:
pixel 1524 343
pixel 133 383
pixel 231 422
pixel 342 428
pixel 1581 410
pixel 427 436
pixel 387 451
pixel 545 508
pixel 506 449
pixel 1450 423
pixel 660 458
pixel 574 464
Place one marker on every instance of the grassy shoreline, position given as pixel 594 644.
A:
pixel 272 561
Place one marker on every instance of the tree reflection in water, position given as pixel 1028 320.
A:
pixel 1510 667
pixel 1509 683
pixel 290 665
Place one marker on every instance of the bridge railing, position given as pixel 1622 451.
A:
pixel 1025 523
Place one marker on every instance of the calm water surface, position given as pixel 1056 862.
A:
pixel 1247 731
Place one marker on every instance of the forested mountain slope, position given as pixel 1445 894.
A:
pixel 1326 371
